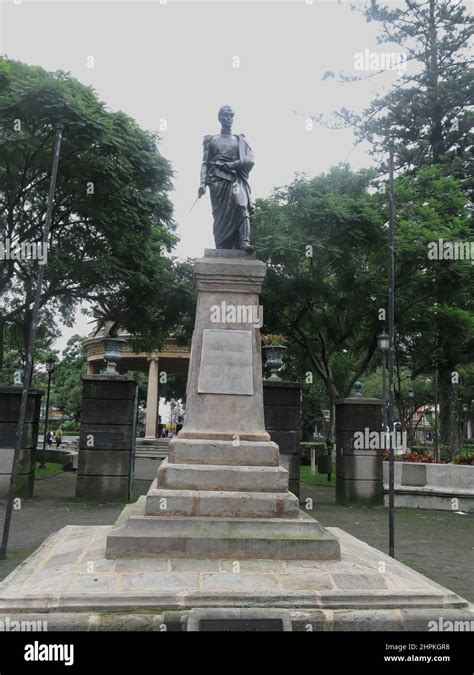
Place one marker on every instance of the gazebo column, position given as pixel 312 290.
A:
pixel 152 398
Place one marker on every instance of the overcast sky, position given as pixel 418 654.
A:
pixel 171 65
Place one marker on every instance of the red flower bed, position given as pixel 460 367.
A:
pixel 415 457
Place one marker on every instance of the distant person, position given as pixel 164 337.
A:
pixel 58 437
pixel 49 438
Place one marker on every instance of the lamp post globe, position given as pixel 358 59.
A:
pixel 383 342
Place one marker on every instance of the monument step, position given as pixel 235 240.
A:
pixel 157 447
pixel 141 535
pixel 220 504
pixel 202 451
pixel 222 477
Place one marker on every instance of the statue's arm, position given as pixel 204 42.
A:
pixel 246 161
pixel 205 163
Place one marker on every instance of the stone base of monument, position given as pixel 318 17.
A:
pixel 212 499
pixel 139 533
pixel 71 585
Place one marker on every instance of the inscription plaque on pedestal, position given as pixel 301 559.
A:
pixel 232 619
pixel 241 625
pixel 226 362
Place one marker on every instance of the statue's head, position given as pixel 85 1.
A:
pixel 226 116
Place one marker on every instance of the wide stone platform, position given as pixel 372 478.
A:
pixel 70 584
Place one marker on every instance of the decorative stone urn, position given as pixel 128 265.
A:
pixel 274 360
pixel 112 354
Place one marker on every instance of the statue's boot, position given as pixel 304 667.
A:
pixel 244 235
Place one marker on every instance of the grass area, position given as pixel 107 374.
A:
pixel 318 479
pixel 52 469
pixel 17 554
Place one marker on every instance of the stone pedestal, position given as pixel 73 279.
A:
pixel 106 438
pixel 359 470
pixel 10 399
pixel 222 491
pixel 282 412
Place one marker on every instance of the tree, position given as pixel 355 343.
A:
pixel 429 118
pixel 112 227
pixel 429 112
pixel 325 242
pixel 435 297
pixel 322 239
pixel 66 384
pixel 14 349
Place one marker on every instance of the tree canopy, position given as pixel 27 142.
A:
pixel 112 229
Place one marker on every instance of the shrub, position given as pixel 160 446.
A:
pixel 466 458
pixel 69 427
pixel 420 449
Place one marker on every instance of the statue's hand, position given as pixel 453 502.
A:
pixel 201 191
pixel 229 166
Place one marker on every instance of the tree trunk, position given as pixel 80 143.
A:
pixel 2 343
pixel 433 91
pixel 448 413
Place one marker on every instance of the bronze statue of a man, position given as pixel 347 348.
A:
pixel 227 162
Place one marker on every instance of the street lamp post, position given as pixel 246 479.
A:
pixel 327 419
pixel 436 438
pixel 465 409
pixel 384 345
pixel 50 364
pixel 411 396
pixel 391 352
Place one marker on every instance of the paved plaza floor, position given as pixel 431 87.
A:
pixel 437 544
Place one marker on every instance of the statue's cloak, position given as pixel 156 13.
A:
pixel 231 197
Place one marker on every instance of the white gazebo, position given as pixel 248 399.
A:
pixel 158 364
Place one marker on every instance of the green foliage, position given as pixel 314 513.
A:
pixel 435 298
pixel 69 427
pixel 428 116
pixel 51 469
pixel 326 303
pixel 465 458
pixel 322 241
pixel 112 228
pixel 66 384
pixel 321 479
pixel 429 112
pixel 13 349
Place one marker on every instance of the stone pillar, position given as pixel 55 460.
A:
pixel 10 398
pixel 282 410
pixel 152 398
pixel 359 451
pixel 106 437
